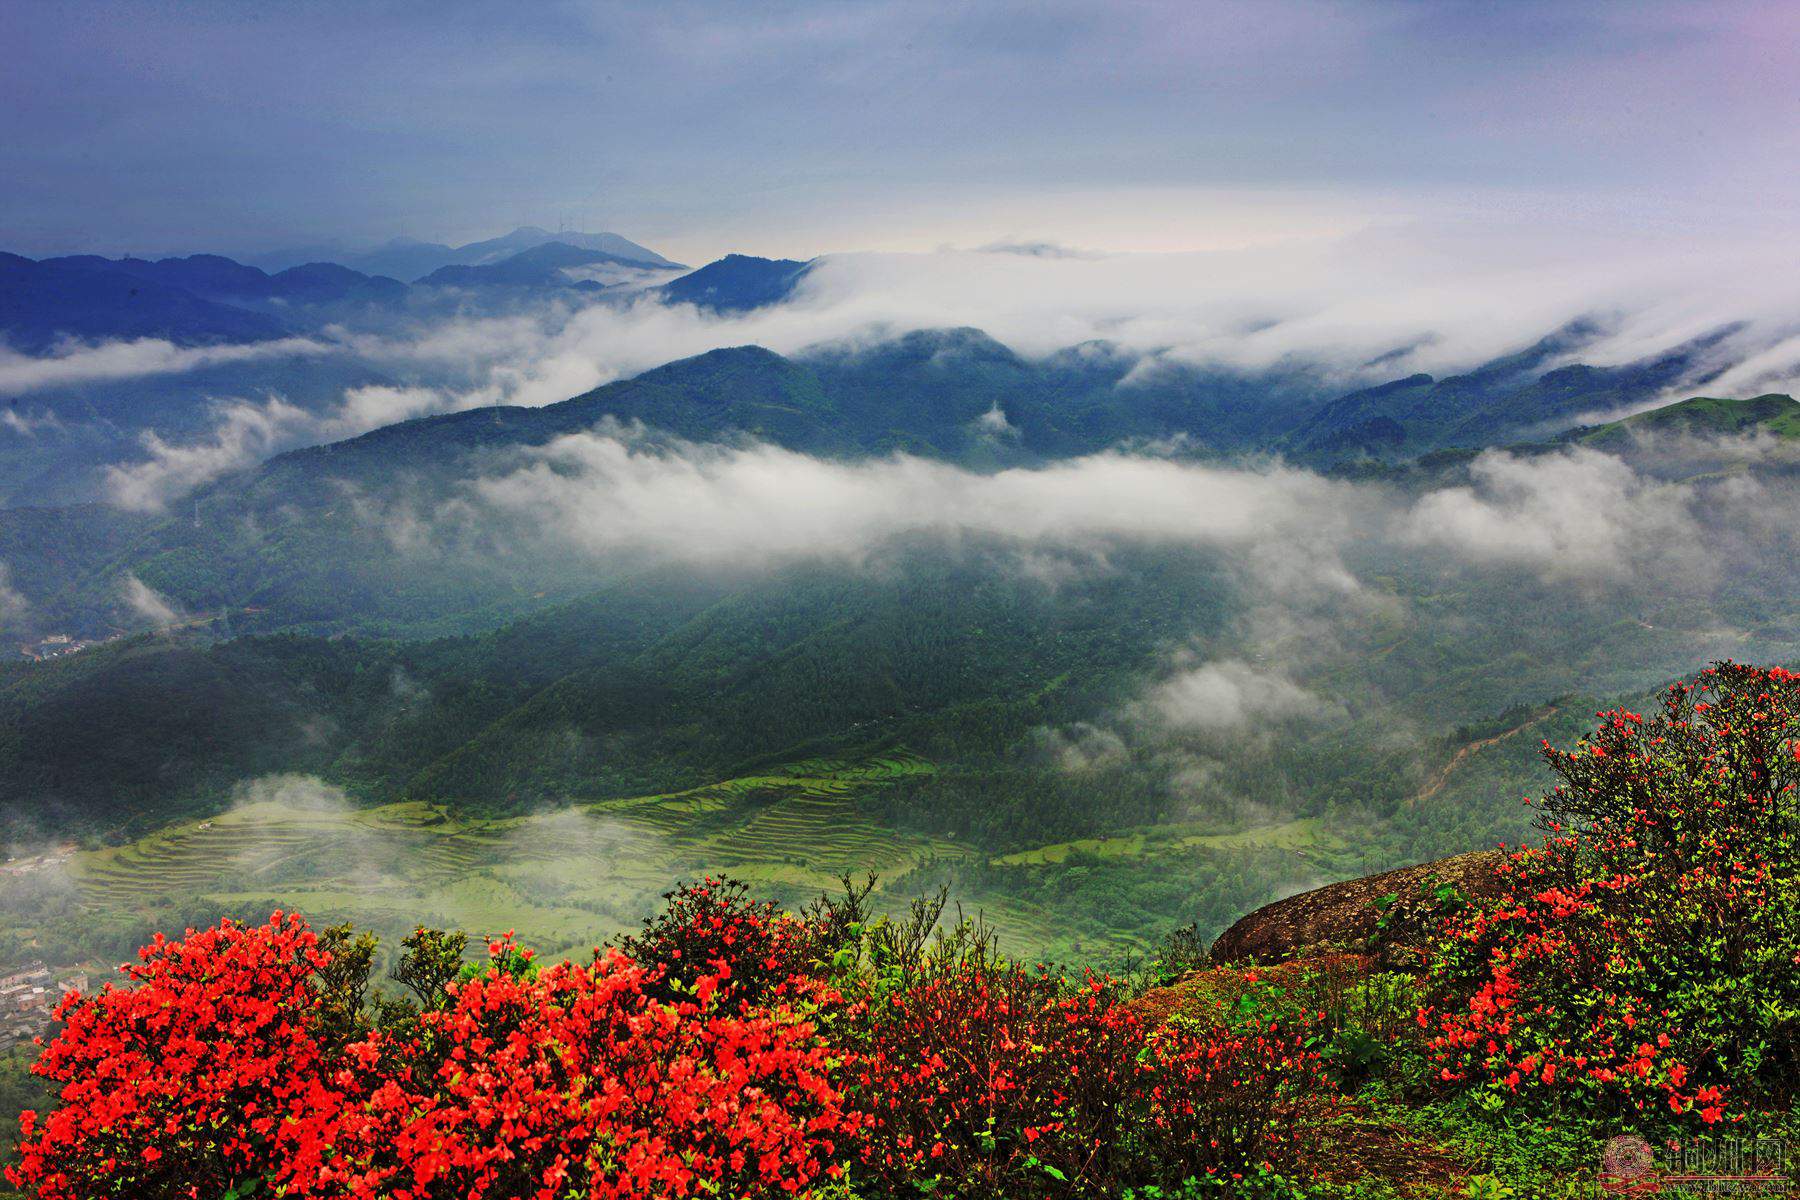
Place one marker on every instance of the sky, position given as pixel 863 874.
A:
pixel 811 127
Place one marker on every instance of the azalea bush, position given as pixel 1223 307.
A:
pixel 204 1073
pixel 991 1080
pixel 714 923
pixel 577 1081
pixel 728 1049
pixel 1645 960
pixel 213 1075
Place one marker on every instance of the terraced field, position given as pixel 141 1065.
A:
pixel 1302 835
pixel 564 880
pixel 568 879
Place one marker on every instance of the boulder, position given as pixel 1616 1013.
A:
pixel 1342 916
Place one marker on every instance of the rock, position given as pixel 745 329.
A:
pixel 1343 915
pixel 1210 994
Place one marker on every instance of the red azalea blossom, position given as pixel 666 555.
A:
pixel 1663 899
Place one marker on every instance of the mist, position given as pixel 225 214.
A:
pixel 1351 309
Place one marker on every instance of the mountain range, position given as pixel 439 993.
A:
pixel 297 539
pixel 409 258
pixel 205 299
pixel 358 611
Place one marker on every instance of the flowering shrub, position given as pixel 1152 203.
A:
pixel 201 1075
pixel 243 1060
pixel 1223 1102
pixel 997 1081
pixel 207 1076
pixel 576 1081
pixel 712 924
pixel 1646 958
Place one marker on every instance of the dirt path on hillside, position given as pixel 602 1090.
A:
pixel 1442 779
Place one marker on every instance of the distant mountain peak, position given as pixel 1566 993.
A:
pixel 411 258
pixel 546 264
pixel 738 283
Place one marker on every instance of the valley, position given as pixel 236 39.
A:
pixel 569 879
pixel 898 600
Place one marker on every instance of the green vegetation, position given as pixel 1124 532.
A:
pixel 1703 416
pixel 677 707
pixel 566 878
pixel 308 541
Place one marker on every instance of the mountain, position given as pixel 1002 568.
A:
pixel 59 443
pixel 1774 414
pixel 44 302
pixel 282 538
pixel 222 279
pixel 408 258
pixel 528 236
pixel 1513 398
pixel 737 283
pixel 687 678
pixel 550 265
pixel 326 283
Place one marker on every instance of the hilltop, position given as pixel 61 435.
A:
pixel 1774 414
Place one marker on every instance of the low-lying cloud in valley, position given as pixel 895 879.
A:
pixel 148 605
pixel 1229 696
pixel 79 363
pixel 1435 294
pixel 1569 515
pixel 1575 514
pixel 614 492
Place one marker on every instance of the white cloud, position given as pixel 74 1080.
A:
pixel 608 493
pixel 13 605
pixel 1224 696
pixel 1439 295
pixel 148 604
pixel 1082 746
pixel 1573 514
pixel 245 434
pixel 76 363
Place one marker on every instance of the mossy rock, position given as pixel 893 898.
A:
pixel 1343 916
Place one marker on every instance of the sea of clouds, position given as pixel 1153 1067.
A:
pixel 1354 309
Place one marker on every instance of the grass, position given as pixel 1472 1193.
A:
pixel 563 880
pixel 1303 834
pixel 568 879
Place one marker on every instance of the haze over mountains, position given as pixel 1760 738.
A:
pixel 409 258
pixel 1081 547
pixel 195 299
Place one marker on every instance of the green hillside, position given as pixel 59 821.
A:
pixel 1774 414
pixel 1524 396
pixel 309 540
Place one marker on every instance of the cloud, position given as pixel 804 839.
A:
pixel 307 793
pixel 1347 309
pixel 1574 514
pixel 13 605
pixel 1229 695
pixel 244 434
pixel 611 492
pixel 1302 542
pixel 570 868
pixel 148 604
pixel 76 363
pixel 28 424
pixel 993 422
pixel 1437 294
pixel 1083 746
